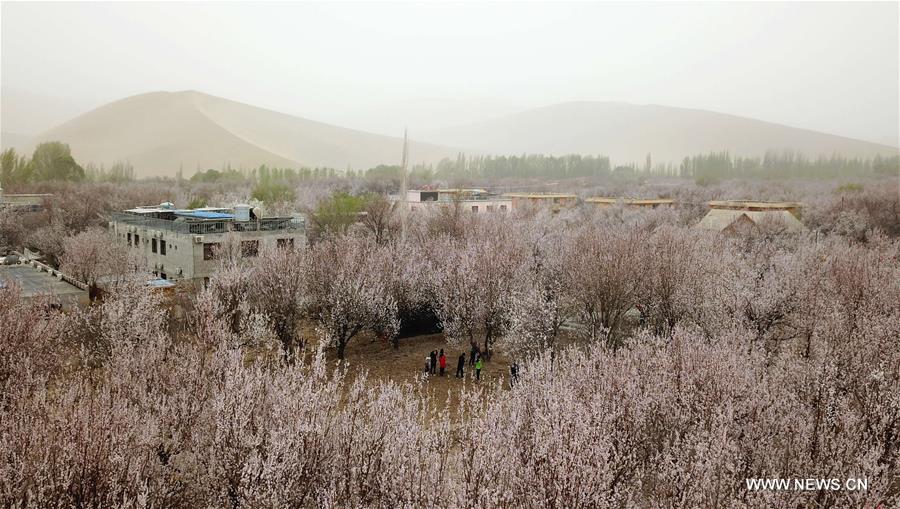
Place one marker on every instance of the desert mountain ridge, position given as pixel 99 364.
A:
pixel 162 132
pixel 628 132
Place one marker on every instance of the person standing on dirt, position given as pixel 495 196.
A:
pixel 513 374
pixel 427 365
pixel 479 363
pixel 433 361
pixel 473 355
pixel 460 373
pixel 442 362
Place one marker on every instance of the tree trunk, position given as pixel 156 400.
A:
pixel 287 350
pixel 93 292
pixel 341 347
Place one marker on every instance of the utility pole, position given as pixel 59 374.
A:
pixel 404 182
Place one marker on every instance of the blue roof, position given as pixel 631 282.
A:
pixel 203 214
pixel 160 283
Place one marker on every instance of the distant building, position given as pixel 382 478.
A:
pixel 182 244
pixel 473 200
pixel 23 202
pixel 652 203
pixel 36 279
pixel 555 201
pixel 740 215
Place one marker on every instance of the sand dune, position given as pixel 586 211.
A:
pixel 13 140
pixel 160 132
pixel 627 132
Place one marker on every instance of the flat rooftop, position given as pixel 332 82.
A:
pixel 754 205
pixel 202 220
pixel 23 200
pixel 538 195
pixel 203 214
pixel 630 201
pixel 34 281
pixel 451 190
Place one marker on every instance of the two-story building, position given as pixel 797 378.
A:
pixel 553 201
pixel 473 200
pixel 183 243
pixel 638 203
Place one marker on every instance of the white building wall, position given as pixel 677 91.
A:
pixel 478 206
pixel 184 258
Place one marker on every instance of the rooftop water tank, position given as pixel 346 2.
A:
pixel 242 212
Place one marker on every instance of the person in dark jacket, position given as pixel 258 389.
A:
pixel 442 362
pixel 433 361
pixel 460 365
pixel 473 354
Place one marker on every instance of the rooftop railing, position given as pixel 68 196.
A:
pixel 211 227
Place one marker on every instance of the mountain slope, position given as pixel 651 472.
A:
pixel 627 132
pixel 159 132
pixel 13 140
pixel 28 113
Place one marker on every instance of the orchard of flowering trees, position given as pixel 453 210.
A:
pixel 661 366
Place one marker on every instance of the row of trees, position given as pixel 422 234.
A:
pixel 702 167
pixel 53 161
pixel 119 173
pixel 523 166
pixel 703 361
pixel 263 173
pixel 706 168
pixel 50 161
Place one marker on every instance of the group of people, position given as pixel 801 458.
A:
pixel 436 363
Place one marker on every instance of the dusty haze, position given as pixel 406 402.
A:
pixel 162 132
pixel 377 67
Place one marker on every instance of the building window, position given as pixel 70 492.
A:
pixel 490 208
pixel 249 248
pixel 163 275
pixel 152 245
pixel 209 250
pixel 474 208
pixel 502 208
pixel 285 243
pixel 162 247
pixel 137 240
pixel 129 238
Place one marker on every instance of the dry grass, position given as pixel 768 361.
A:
pixel 406 364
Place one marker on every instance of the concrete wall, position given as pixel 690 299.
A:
pixel 483 206
pixel 184 255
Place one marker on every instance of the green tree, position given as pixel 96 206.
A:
pixel 270 192
pixel 13 168
pixel 53 161
pixel 209 175
pixel 335 214
pixel 197 202
pixel 886 166
pixel 8 161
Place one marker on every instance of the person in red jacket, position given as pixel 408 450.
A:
pixel 442 361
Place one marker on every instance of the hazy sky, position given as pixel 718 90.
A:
pixel 832 67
